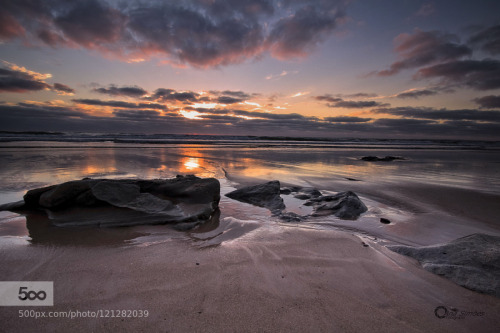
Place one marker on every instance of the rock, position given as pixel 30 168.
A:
pixel 63 195
pixel 381 159
pixel 18 205
pixel 344 205
pixel 291 217
pixel 472 261
pixel 384 220
pixel 263 195
pixel 306 193
pixel 123 202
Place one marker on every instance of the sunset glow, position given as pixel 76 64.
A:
pixel 351 72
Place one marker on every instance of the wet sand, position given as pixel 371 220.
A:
pixel 249 272
pixel 284 279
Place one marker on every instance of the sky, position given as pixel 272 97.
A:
pixel 317 68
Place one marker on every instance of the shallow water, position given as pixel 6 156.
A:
pixel 327 168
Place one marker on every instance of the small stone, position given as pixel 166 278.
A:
pixel 384 220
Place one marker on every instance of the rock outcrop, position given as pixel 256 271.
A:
pixel 265 195
pixel 472 261
pixel 124 202
pixel 344 205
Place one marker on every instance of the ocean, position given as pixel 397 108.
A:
pixel 404 189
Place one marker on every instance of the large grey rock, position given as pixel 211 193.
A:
pixel 472 261
pixel 344 205
pixel 263 195
pixel 123 202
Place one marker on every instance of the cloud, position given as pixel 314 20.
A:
pixel 164 95
pixel 416 93
pixel 411 122
pixel 120 104
pixel 14 81
pixel 356 104
pixel 487 40
pixel 328 98
pixel 344 119
pixel 475 74
pixel 360 95
pixel 20 80
pixel 229 100
pixel 63 89
pixel 427 9
pixel 442 114
pixel 424 48
pixel 9 26
pixel 488 102
pixel 198 33
pixel 279 76
pixel 112 90
pixel 296 34
pixel 337 102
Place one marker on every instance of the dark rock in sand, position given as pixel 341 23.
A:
pixel 384 220
pixel 306 193
pixel 472 261
pixel 381 159
pixel 344 205
pixel 108 202
pixel 263 195
pixel 291 217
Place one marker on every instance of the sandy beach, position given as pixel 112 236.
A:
pixel 249 271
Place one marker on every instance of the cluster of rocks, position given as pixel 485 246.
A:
pixel 344 205
pixel 124 202
pixel 472 261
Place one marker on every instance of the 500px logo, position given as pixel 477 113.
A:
pixel 31 295
pixel 26 293
pixel 442 312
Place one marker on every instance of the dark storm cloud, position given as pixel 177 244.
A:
pixel 199 33
pixel 20 82
pixel 294 35
pixel 488 102
pixel 62 88
pixel 424 48
pixel 475 74
pixel 112 90
pixel 89 23
pixel 487 40
pixel 120 104
pixel 442 114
